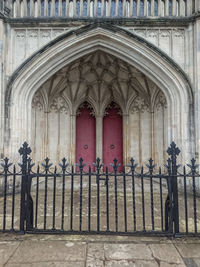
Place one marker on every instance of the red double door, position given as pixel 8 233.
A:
pixel 112 137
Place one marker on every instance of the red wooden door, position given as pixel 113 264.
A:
pixel 112 137
pixel 85 136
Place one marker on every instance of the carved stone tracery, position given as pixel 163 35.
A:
pixel 115 106
pixel 59 105
pixel 160 102
pixel 139 105
pixel 88 106
pixel 37 101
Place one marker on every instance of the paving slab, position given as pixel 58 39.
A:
pixel 165 264
pixel 6 250
pixel 190 263
pixel 95 251
pixel 33 251
pixel 166 253
pixel 95 255
pixel 189 250
pixel 95 263
pixel 127 252
pixel 46 264
pixel 197 261
pixel 125 263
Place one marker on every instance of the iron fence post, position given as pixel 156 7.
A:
pixel 168 201
pixel 29 200
pixel 24 151
pixel 173 151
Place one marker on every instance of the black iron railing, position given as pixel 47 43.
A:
pixel 138 200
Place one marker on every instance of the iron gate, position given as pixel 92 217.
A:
pixel 139 200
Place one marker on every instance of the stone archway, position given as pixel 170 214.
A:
pixel 125 46
pixel 100 78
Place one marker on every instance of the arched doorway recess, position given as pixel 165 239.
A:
pixel 130 48
pixel 111 86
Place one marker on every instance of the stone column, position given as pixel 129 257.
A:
pixel 146 9
pixel 99 136
pixel 1 87
pixel 18 9
pixel 166 8
pixel 197 5
pixel 138 8
pixel 173 7
pixel 125 138
pixel 73 138
pixel 152 8
pixel 1 6
pixel 197 84
pixel 189 8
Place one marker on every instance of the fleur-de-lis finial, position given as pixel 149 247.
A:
pixel 47 165
pixel 193 166
pixel 151 166
pixel 6 165
pixel 97 164
pixel 80 164
pixel 132 165
pixel 115 165
pixel 64 164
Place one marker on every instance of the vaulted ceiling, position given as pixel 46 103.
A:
pixel 99 78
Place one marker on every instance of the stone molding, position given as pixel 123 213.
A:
pixel 85 29
pixel 62 22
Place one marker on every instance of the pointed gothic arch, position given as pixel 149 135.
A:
pixel 133 49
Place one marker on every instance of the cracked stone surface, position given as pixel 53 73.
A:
pixel 166 253
pixel 189 250
pixel 97 251
pixel 7 249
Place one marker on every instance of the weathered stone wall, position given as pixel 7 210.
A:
pixel 171 40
